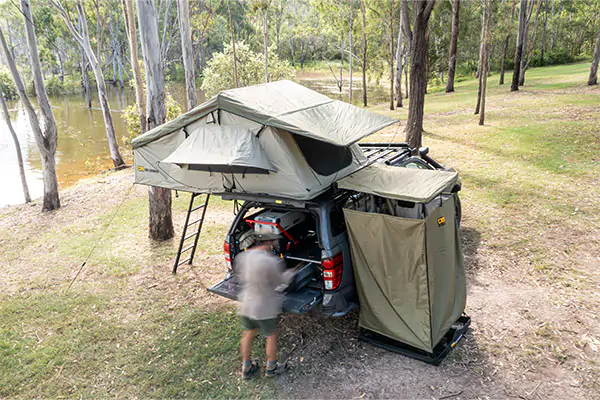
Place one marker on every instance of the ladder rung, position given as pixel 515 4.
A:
pixel 186 249
pixel 192 223
pixel 184 261
pixel 199 207
pixel 191 235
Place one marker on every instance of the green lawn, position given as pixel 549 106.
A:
pixel 128 328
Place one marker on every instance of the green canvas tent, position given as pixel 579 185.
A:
pixel 409 271
pixel 286 123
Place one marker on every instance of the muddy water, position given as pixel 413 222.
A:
pixel 82 147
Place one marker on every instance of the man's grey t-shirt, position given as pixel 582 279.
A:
pixel 260 273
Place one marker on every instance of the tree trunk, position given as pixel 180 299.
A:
pixel 486 55
pixel 519 49
pixel 405 66
pixel 531 42
pixel 399 62
pixel 266 42
pixel 160 219
pixel 86 81
pixel 350 47
pixel 453 44
pixel 114 50
pixel 505 49
pixel 183 8
pixel 135 64
pixel 49 133
pixel 418 80
pixel 481 60
pixel 543 49
pixel 45 140
pixel 82 37
pixel 593 78
pixel 391 49
pixel 235 74
pixel 364 51
pixel 17 148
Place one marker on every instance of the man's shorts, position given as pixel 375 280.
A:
pixel 268 327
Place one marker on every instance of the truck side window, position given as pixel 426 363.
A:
pixel 338 224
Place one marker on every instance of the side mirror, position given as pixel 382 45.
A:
pixel 423 151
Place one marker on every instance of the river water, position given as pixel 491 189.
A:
pixel 82 146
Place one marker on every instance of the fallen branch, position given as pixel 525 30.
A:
pixel 450 395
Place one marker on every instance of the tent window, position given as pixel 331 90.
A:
pixel 230 169
pixel 324 158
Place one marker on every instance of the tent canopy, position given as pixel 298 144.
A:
pixel 221 148
pixel 407 184
pixel 285 105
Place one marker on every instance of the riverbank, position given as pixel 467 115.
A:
pixel 128 328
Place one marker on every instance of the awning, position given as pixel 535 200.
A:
pixel 220 148
pixel 408 184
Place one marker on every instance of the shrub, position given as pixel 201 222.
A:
pixel 54 86
pixel 218 74
pixel 7 86
pixel 132 118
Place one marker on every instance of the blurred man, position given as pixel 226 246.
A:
pixel 262 276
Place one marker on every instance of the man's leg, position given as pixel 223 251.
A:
pixel 246 345
pixel 272 349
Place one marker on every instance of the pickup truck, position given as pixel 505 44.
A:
pixel 314 238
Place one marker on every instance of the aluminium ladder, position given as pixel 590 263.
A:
pixel 195 231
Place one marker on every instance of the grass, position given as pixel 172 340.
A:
pixel 128 328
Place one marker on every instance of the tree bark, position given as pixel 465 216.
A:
pixel 160 220
pixel 399 62
pixel 530 43
pixel 266 41
pixel 46 140
pixel 82 37
pixel 481 59
pixel 391 39
pixel 486 55
pixel 593 78
pixel 364 51
pixel 418 80
pixel 50 135
pixel 135 63
pixel 350 47
pixel 235 74
pixel 453 45
pixel 519 49
pixel 17 148
pixel 505 49
pixel 183 8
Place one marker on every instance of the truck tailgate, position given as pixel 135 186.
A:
pixel 298 302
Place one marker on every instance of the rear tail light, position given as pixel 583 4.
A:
pixel 332 271
pixel 227 254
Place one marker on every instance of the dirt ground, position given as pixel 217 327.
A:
pixel 532 251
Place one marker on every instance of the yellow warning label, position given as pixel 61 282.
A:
pixel 441 221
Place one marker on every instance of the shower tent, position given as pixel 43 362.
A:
pixel 278 139
pixel 407 259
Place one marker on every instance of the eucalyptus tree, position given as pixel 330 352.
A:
pixel 183 12
pixel 593 78
pixel 44 131
pixel 418 80
pixel 160 218
pixel 26 194
pixel 487 12
pixel 453 46
pixel 82 37
pixel 128 12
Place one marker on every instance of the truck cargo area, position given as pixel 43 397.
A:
pixel 298 247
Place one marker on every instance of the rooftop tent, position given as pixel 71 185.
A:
pixel 221 149
pixel 290 123
pixel 409 271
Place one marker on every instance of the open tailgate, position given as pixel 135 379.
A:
pixel 298 302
